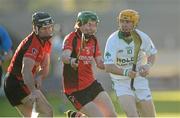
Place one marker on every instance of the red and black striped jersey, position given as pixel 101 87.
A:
pixel 82 77
pixel 30 47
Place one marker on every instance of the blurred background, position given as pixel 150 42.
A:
pixel 160 19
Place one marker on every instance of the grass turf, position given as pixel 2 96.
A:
pixel 167 104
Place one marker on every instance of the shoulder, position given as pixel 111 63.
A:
pixel 27 41
pixel 70 36
pixel 143 35
pixel 31 36
pixel 32 39
pixel 68 40
pixel 113 36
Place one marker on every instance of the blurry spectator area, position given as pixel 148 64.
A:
pixel 160 19
pixel 15 40
pixel 56 52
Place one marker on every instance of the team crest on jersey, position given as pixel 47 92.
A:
pixel 129 50
pixel 34 51
pixel 108 55
pixel 87 51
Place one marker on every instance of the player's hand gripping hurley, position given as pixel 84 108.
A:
pixel 137 45
pixel 81 47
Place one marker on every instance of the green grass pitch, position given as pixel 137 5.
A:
pixel 167 104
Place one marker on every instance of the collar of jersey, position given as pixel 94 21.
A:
pixel 120 35
pixel 43 45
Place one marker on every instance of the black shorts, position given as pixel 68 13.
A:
pixel 15 89
pixel 82 97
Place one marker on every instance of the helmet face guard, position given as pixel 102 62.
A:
pixel 42 19
pixel 129 15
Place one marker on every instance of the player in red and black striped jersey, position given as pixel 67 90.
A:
pixel 30 61
pixel 80 48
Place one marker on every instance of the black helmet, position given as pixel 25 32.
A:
pixel 40 19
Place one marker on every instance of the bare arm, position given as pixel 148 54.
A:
pixel 111 68
pixel 44 67
pixel 151 59
pixel 66 56
pixel 43 72
pixel 99 62
pixel 145 69
pixel 27 66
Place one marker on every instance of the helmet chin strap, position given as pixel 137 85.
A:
pixel 44 38
pixel 36 30
pixel 86 35
pixel 89 36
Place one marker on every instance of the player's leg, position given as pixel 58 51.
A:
pixel 145 105
pixel 19 96
pixel 128 104
pixel 100 107
pixel 85 109
pixel 126 97
pixel 105 104
pixel 43 107
pixel 25 109
pixel 83 100
pixel 91 110
pixel 146 108
pixel 100 100
pixel 15 92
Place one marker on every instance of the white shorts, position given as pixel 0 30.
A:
pixel 142 92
